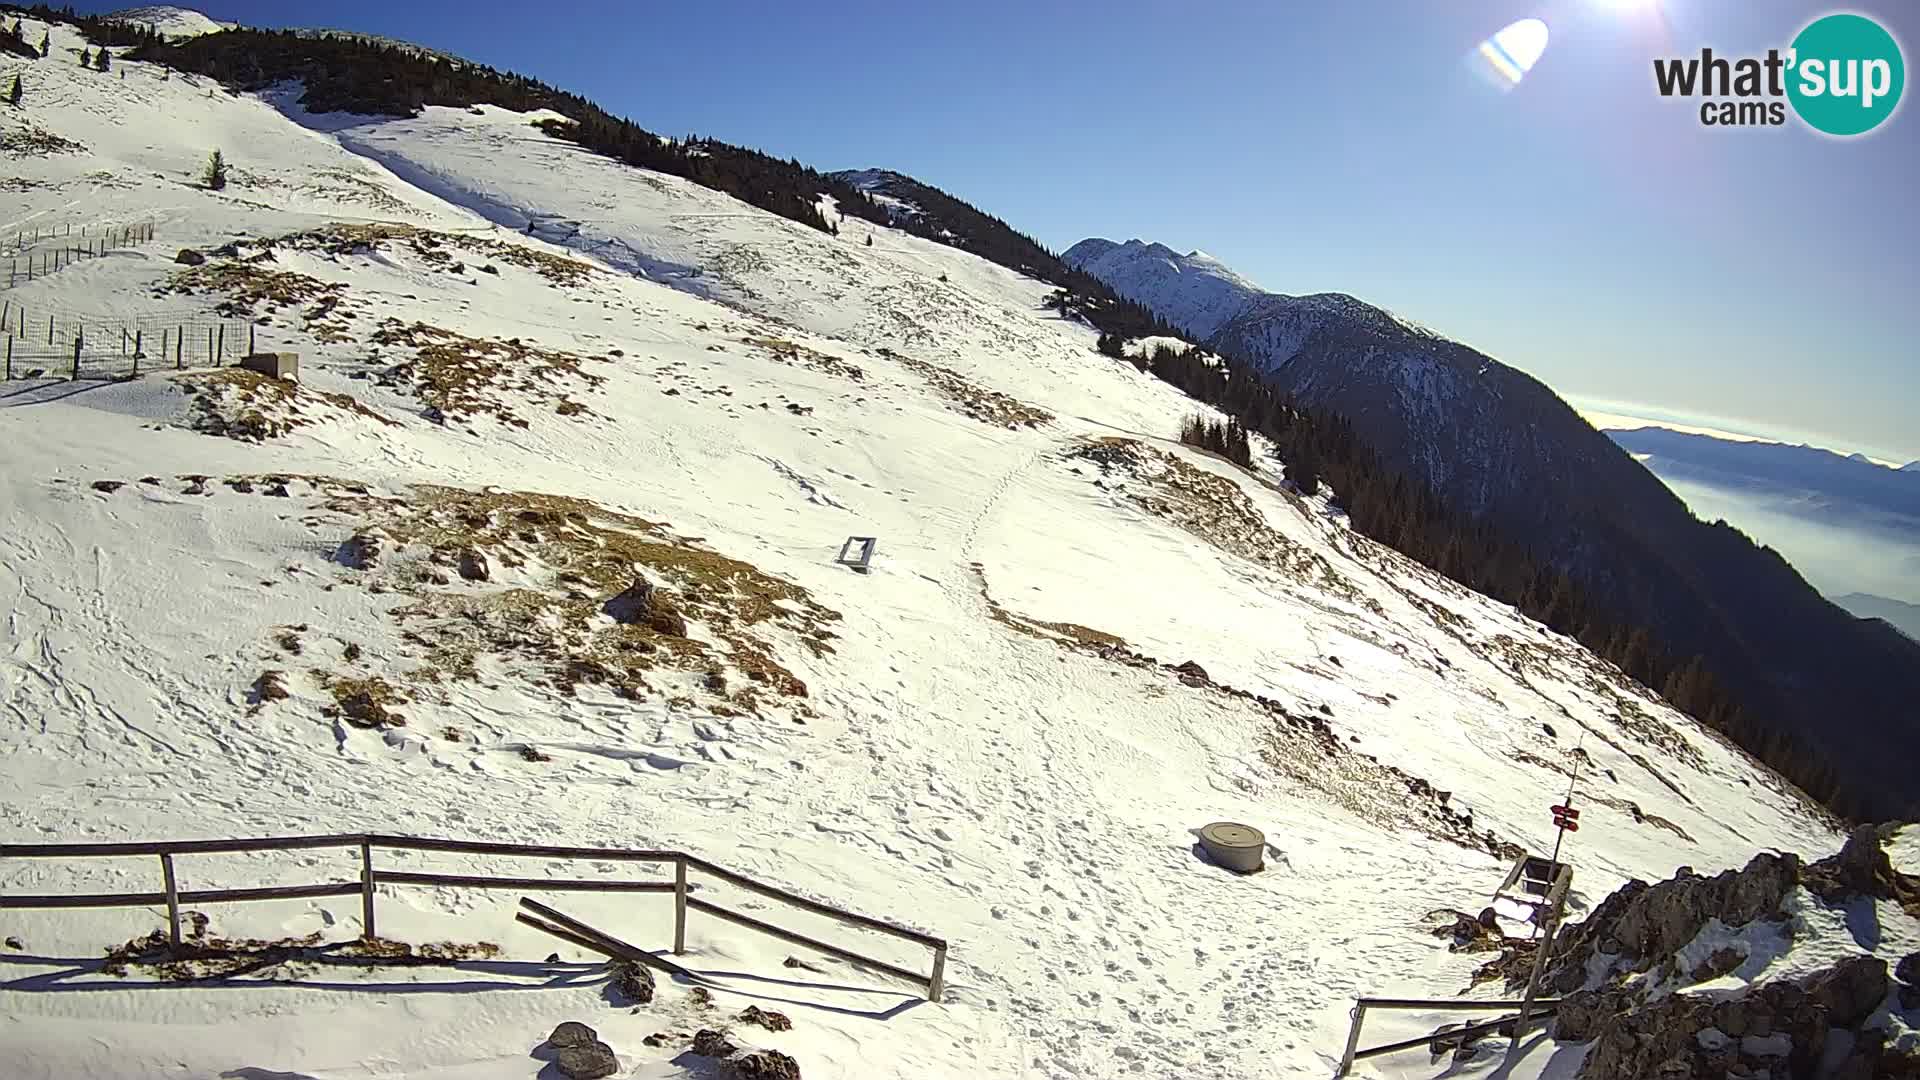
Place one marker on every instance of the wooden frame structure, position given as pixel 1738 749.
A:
pixel 857 552
pixel 681 887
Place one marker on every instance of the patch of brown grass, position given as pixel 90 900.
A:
pixel 241 404
pixel 200 956
pixel 971 399
pixel 780 350
pixel 555 629
pixel 437 248
pixel 462 376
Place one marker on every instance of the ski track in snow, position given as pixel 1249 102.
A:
pixel 1029 802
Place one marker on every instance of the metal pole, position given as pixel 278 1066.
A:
pixel 679 906
pixel 1353 1040
pixel 173 899
pixel 366 891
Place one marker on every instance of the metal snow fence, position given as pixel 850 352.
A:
pixel 44 342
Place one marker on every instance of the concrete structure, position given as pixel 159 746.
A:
pixel 1235 846
pixel 282 365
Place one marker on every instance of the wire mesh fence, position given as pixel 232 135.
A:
pixel 33 254
pixel 54 343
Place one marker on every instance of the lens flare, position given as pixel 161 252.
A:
pixel 1506 57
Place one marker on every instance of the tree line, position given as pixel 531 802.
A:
pixel 1405 514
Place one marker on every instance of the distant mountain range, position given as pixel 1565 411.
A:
pixel 1903 616
pixel 1500 445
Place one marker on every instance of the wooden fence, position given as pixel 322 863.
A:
pixel 172 896
pixel 49 342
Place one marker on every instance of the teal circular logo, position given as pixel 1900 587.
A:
pixel 1846 74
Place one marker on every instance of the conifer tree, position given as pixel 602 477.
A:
pixel 86 58
pixel 13 95
pixel 216 175
pixel 104 61
pixel 46 43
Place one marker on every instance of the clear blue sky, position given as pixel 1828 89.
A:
pixel 1579 227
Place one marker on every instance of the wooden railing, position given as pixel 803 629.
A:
pixel 172 896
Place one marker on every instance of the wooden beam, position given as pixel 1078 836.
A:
pixel 401 877
pixel 771 930
pixel 815 906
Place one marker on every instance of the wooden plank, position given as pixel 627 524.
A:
pixel 196 896
pixel 402 877
pixel 175 847
pixel 679 906
pixel 484 847
pixel 816 906
pixel 173 900
pixel 566 935
pixel 626 951
pixel 366 891
pixel 771 930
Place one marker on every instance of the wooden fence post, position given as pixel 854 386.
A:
pixel 173 899
pixel 221 352
pixel 210 360
pixel 179 344
pixel 136 353
pixel 9 356
pixel 78 338
pixel 679 905
pixel 366 891
pixel 937 985
pixel 249 339
pixel 49 329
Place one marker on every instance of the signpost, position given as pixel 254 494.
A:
pixel 1566 819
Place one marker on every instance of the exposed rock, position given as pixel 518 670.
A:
pixel 189 257
pixel 1722 961
pixel 1548 728
pixel 15 944
pixel 108 486
pixel 589 1062
pixel 572 1033
pixel 362 709
pixel 1862 869
pixel 710 1043
pixel 361 551
pixel 1192 673
pixel 279 491
pixel 1908 969
pixel 765 1065
pixel 1641 925
pixel 1851 990
pixel 632 983
pixel 772 1021
pixel 474 565
pixel 666 619
pixel 634 604
pixel 270 686
pixel 1580 1014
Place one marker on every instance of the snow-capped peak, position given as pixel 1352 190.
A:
pixel 172 21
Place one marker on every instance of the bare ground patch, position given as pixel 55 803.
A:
pixel 440 250
pixel 240 404
pixel 545 586
pixel 782 351
pixel 971 399
pixel 1207 506
pixel 459 377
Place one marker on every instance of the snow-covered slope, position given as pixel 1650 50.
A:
pixel 1196 288
pixel 986 736
pixel 174 22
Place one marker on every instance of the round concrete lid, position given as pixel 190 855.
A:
pixel 1232 834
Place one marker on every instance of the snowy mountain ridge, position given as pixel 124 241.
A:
pixel 1500 446
pixel 390 597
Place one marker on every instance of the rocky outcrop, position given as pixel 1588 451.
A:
pixel 474 565
pixel 1641 925
pixel 578 1052
pixel 631 984
pixel 1861 868
pixel 634 604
